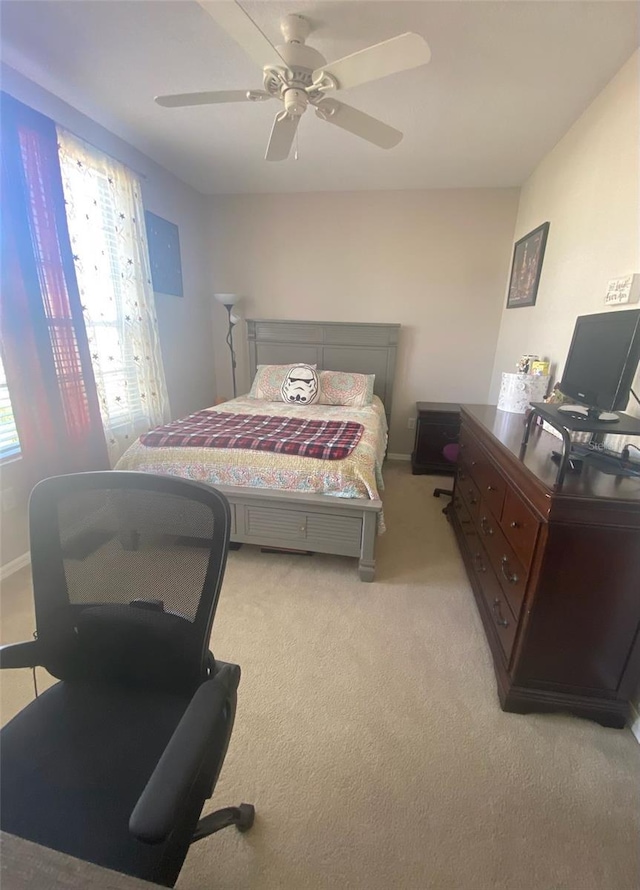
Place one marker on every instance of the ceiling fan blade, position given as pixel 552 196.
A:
pixel 281 139
pixel 358 123
pixel 238 24
pixel 397 54
pixel 181 100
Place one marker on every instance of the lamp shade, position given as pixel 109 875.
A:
pixel 227 299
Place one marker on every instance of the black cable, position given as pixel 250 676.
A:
pixel 634 395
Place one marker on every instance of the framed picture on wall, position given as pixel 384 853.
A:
pixel 164 255
pixel 526 266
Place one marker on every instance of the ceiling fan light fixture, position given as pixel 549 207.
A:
pixel 295 102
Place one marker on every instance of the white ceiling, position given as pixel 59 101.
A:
pixel 505 82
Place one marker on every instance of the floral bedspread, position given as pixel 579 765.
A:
pixel 357 476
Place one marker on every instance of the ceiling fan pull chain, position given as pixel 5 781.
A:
pixel 295 154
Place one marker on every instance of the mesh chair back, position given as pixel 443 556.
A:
pixel 127 569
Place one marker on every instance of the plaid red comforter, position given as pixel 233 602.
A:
pixel 323 439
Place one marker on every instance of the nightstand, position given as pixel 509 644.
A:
pixel 437 425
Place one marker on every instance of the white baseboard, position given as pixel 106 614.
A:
pixel 634 725
pixel 10 568
pixel 398 457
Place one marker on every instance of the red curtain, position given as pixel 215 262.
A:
pixel 44 341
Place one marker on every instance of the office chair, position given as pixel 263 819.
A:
pixel 113 764
pixel 449 452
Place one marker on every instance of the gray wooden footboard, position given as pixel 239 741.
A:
pixel 317 522
pixel 298 521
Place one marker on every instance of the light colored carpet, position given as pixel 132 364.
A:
pixel 370 738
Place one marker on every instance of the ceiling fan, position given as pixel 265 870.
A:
pixel 299 76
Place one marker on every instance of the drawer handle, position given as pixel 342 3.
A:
pixel 462 475
pixel 480 566
pixel 491 488
pixel 514 524
pixel 472 498
pixel 474 463
pixel 497 614
pixel 450 437
pixel 510 576
pixel 484 525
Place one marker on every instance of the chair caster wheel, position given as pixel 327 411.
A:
pixel 247 816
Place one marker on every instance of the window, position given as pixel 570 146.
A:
pixel 9 442
pixel 104 297
pixel 108 240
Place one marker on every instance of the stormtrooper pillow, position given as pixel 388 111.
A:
pixel 268 381
pixel 300 386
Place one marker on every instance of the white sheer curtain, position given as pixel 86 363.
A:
pixel 108 239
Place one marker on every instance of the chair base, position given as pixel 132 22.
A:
pixel 242 817
pixel 437 492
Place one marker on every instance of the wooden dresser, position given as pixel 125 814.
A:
pixel 556 575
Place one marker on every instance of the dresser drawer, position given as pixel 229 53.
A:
pixel 462 514
pixel 482 471
pixel 470 452
pixel 492 486
pixel 469 490
pixel 520 526
pixel 501 616
pixel 510 573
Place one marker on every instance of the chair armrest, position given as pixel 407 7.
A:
pixel 20 655
pixel 158 807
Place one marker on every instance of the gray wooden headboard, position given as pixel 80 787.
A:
pixel 332 346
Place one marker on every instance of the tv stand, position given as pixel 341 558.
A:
pixel 566 424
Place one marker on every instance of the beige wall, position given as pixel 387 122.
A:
pixel 434 261
pixel 588 189
pixel 184 323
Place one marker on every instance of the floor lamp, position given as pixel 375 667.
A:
pixel 229 301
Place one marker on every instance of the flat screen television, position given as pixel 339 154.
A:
pixel 603 358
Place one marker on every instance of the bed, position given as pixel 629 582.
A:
pixel 286 501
